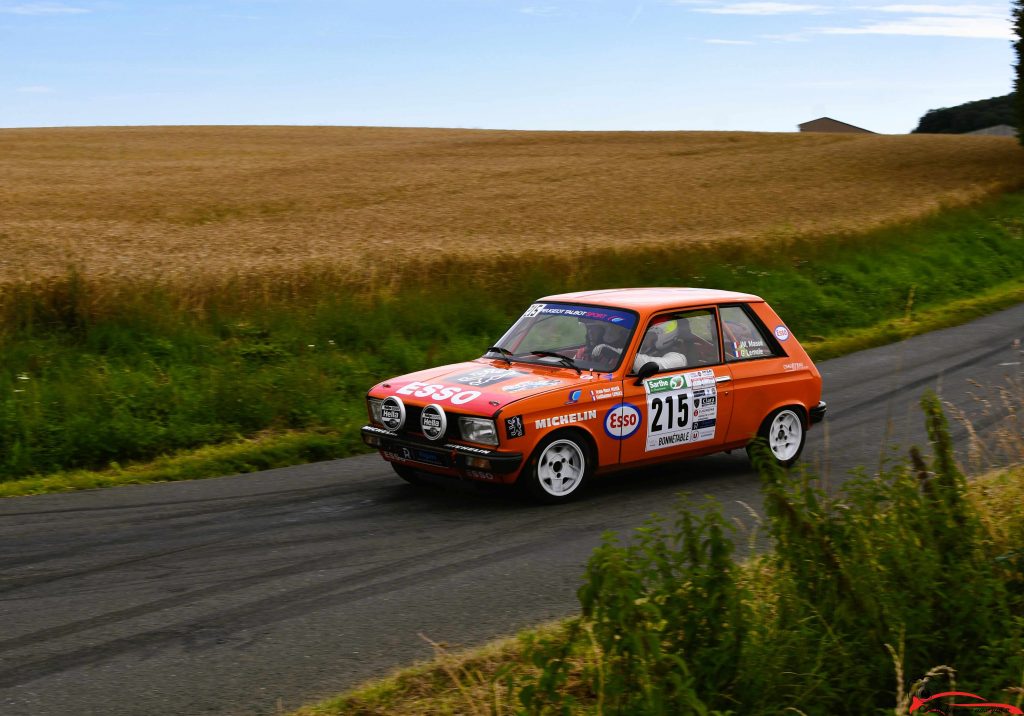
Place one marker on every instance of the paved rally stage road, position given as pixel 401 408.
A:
pixel 242 595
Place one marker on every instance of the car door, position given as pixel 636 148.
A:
pixel 679 410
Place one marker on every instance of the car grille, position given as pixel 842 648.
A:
pixel 412 424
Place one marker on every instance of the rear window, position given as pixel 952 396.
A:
pixel 743 337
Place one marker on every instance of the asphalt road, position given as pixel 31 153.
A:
pixel 250 594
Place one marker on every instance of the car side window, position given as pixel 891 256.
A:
pixel 680 340
pixel 743 338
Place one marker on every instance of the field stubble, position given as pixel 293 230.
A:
pixel 199 208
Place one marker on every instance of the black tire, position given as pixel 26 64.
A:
pixel 410 475
pixel 558 469
pixel 784 433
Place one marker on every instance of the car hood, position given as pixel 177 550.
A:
pixel 482 386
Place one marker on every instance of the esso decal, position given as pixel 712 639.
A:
pixel 436 391
pixel 782 333
pixel 622 421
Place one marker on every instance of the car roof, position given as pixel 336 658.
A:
pixel 652 298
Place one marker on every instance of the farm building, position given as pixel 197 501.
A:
pixel 1000 130
pixel 827 124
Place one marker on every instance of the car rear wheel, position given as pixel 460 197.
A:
pixel 558 470
pixel 408 474
pixel 783 431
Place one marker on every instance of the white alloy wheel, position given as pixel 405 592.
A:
pixel 786 436
pixel 561 468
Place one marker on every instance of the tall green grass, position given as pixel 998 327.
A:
pixel 99 373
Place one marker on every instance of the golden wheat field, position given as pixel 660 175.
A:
pixel 189 203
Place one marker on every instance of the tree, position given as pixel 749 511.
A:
pixel 970 116
pixel 1018 14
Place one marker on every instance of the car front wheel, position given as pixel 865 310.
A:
pixel 784 433
pixel 558 470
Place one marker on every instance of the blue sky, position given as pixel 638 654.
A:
pixel 514 64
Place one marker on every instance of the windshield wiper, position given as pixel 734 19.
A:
pixel 503 352
pixel 566 360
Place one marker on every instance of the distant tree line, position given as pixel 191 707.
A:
pixel 973 115
pixel 1008 109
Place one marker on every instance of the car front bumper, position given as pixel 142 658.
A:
pixel 446 458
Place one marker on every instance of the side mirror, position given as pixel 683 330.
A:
pixel 646 371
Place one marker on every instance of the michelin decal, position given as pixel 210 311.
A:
pixel 565 419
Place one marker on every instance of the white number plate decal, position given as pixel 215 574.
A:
pixel 678 411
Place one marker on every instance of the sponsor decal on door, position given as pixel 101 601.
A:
pixel 679 412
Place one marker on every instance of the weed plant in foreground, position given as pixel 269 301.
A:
pixel 864 593
pixel 95 374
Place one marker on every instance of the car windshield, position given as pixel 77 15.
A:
pixel 578 336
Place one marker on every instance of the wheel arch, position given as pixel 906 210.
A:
pixel 800 409
pixel 592 445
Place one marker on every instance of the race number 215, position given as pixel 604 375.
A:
pixel 671 412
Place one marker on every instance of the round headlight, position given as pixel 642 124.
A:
pixel 392 413
pixel 433 422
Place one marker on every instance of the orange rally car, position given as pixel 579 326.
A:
pixel 601 380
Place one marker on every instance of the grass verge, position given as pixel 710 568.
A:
pixel 915 323
pixel 263 452
pixel 281 449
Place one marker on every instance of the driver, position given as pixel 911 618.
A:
pixel 605 342
pixel 660 346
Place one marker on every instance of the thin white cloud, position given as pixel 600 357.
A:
pixel 43 8
pixel 35 89
pixel 787 37
pixel 542 10
pixel 762 8
pixel 982 28
pixel 963 20
pixel 955 10
pixel 728 42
